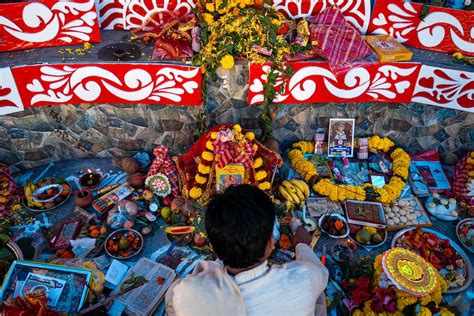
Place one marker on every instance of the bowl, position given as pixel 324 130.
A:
pixel 132 247
pixel 370 245
pixel 335 217
pixel 90 180
pixel 461 224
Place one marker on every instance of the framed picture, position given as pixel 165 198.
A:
pixel 66 233
pixel 65 287
pixel 231 174
pixel 341 137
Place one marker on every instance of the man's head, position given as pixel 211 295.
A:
pixel 239 224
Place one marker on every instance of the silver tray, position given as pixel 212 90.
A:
pixel 370 246
pixel 471 219
pixel 25 204
pixel 42 190
pixel 468 264
pixel 122 230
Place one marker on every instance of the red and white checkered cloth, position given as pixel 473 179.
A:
pixel 165 165
pixel 232 152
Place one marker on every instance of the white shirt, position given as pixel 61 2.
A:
pixel 289 289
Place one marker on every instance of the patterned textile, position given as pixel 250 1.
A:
pixel 165 165
pixel 336 40
pixel 464 177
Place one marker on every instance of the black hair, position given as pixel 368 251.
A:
pixel 239 223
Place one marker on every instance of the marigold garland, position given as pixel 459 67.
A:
pixel 390 192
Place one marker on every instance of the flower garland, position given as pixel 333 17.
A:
pixel 210 157
pixel 387 299
pixel 390 192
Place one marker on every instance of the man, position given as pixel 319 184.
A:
pixel 239 225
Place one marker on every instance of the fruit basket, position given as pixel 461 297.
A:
pixel 46 195
pixel 439 250
pixel 124 244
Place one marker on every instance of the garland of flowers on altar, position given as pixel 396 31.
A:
pixel 211 156
pixel 387 299
pixel 341 192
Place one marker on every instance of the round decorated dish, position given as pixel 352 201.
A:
pixel 409 272
pixel 465 233
pixel 335 225
pixel 439 250
pixel 124 244
pixel 47 195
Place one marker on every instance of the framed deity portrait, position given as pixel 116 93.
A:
pixel 341 137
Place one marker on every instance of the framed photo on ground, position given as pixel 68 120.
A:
pixel 65 287
pixel 341 137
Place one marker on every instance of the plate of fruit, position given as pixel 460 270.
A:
pixel 465 232
pixel 46 195
pixel 367 236
pixel 335 225
pixel 124 243
pixel 443 253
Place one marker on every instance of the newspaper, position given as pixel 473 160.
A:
pixel 144 300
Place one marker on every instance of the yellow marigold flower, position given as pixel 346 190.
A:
pixel 203 169
pixel 209 145
pixel 255 147
pixel 210 7
pixel 262 174
pixel 237 128
pixel 199 179
pixel 258 163
pixel 214 135
pixel 208 18
pixel 264 186
pixel 457 55
pixel 208 156
pixel 195 192
pixel 250 136
pixel 87 45
pixel 227 62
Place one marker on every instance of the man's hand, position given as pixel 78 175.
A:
pixel 301 235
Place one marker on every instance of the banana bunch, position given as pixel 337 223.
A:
pixel 294 191
pixel 30 188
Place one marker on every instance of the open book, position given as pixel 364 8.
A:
pixel 144 300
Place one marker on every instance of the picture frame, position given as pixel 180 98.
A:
pixel 341 137
pixel 72 297
pixel 65 234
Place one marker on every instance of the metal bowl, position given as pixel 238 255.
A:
pixel 124 231
pixel 465 257
pixel 338 216
pixel 370 246
pixel 35 210
pixel 467 220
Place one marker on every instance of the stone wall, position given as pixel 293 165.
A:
pixel 39 135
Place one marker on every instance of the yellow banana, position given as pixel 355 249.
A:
pixel 28 194
pixel 302 186
pixel 300 194
pixel 286 194
pixel 289 187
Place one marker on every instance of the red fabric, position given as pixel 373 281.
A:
pixel 461 177
pixel 337 40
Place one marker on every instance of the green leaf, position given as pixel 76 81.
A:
pixel 424 12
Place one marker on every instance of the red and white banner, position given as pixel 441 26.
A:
pixel 26 25
pixel 111 14
pixel 445 87
pixel 138 11
pixel 108 83
pixel 442 29
pixel 356 12
pixel 10 101
pixel 313 82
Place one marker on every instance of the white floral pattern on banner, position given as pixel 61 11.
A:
pixel 356 11
pixel 62 23
pixel 445 87
pixel 137 11
pixel 165 84
pixel 316 83
pixel 442 29
pixel 10 101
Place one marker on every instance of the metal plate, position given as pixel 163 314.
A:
pixel 467 220
pixel 23 201
pixel 124 230
pixel 467 262
pixel 42 190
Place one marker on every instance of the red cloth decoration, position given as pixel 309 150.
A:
pixel 232 152
pixel 165 165
pixel 337 40
pixel 172 34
